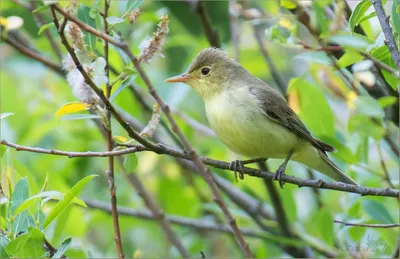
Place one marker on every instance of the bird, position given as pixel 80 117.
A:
pixel 252 119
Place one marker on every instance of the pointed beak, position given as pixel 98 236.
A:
pixel 181 78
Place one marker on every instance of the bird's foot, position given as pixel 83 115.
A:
pixel 237 167
pixel 279 174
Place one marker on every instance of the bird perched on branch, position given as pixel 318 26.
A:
pixel 253 119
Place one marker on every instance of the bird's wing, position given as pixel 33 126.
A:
pixel 276 109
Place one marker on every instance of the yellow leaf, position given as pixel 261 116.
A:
pixel 294 100
pixel 285 23
pixel 137 254
pixel 72 107
pixel 289 4
pixel 351 98
pixel 3 21
pixel 120 139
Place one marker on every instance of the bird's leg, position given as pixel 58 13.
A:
pixel 238 164
pixel 281 170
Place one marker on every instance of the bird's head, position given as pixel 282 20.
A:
pixel 210 72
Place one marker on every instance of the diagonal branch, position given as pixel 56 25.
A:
pixel 367 225
pixel 387 30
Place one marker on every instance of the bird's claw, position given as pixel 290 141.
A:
pixel 235 165
pixel 279 175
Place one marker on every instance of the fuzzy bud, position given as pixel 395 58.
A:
pixel 76 36
pixel 153 45
pixel 133 15
pixel 149 130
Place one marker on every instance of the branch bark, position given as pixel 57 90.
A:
pixel 387 30
pixel 162 149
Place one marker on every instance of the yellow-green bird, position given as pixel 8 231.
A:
pixel 252 118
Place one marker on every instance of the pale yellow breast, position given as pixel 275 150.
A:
pixel 239 122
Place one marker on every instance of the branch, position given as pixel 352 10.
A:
pixel 178 220
pixel 274 71
pixel 367 225
pixel 235 29
pixel 211 33
pixel 162 149
pixel 387 30
pixel 108 135
pixel 34 55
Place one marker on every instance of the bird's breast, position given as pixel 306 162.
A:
pixel 239 122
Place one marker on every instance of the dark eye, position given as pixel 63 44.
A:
pixel 205 71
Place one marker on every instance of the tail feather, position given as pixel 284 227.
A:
pixel 336 174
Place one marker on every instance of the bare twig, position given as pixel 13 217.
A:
pixel 367 225
pixel 235 29
pixel 197 224
pixel 385 170
pixel 162 149
pixel 108 130
pixel 387 30
pixel 157 212
pixel 274 71
pixel 34 55
pixel 211 33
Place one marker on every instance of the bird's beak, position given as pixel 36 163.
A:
pixel 181 78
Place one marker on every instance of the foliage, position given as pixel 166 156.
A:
pixel 344 98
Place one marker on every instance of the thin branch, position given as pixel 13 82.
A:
pixel 367 225
pixel 387 30
pixel 108 131
pixel 280 213
pixel 162 149
pixel 385 170
pixel 274 71
pixel 235 29
pixel 157 212
pixel 211 33
pixel 34 55
pixel 40 21
pixel 197 224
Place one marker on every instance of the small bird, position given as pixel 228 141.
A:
pixel 252 119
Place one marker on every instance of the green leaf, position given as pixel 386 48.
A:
pixel 289 4
pixel 396 15
pixel 367 17
pixel 93 13
pixel 84 15
pixel 5 115
pixel 365 126
pixel 315 57
pixel 130 162
pixel 44 7
pixel 358 13
pixel 132 5
pixel 129 71
pixel 114 20
pixel 378 212
pixel 20 194
pixel 381 53
pixel 369 106
pixel 324 220
pixel 31 200
pixel 387 101
pixel 122 86
pixel 350 57
pixel 22 222
pixel 3 243
pixel 80 117
pixel 27 245
pixel 64 247
pixel 315 111
pixel 357 42
pixel 72 193
pixel 45 27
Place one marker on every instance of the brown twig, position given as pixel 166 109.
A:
pixel 274 71
pixel 157 212
pixel 387 30
pixel 211 33
pixel 108 130
pixel 235 29
pixel 367 225
pixel 162 149
pixel 34 55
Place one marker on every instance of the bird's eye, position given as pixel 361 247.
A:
pixel 205 71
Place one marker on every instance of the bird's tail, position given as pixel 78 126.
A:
pixel 334 171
